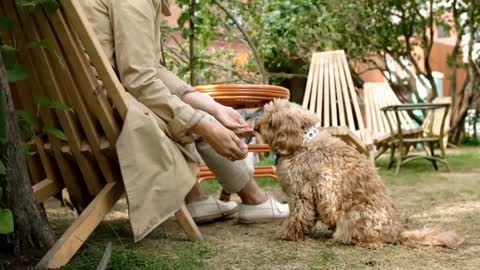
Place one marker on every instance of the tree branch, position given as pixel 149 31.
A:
pixel 258 60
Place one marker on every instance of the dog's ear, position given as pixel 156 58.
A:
pixel 309 119
pixel 288 133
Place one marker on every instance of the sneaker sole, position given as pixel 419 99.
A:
pixel 215 216
pixel 260 220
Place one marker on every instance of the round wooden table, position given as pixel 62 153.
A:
pixel 243 96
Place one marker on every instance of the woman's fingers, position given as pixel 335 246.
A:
pixel 236 149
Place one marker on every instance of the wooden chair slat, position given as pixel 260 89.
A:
pixel 45 189
pixel 55 78
pixel 341 84
pixel 82 227
pixel 80 196
pixel 326 89
pixel 313 100
pixel 95 52
pixel 87 164
pixel 308 87
pixel 334 84
pixel 345 93
pixel 72 91
pixel 337 101
pixel 75 59
pixel 353 94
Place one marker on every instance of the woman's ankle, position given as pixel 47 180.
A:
pixel 251 194
pixel 196 194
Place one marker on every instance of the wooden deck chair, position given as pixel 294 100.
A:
pixel 331 94
pixel 77 73
pixel 377 96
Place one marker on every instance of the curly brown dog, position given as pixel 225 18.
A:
pixel 329 181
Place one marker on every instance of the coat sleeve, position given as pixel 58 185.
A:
pixel 134 32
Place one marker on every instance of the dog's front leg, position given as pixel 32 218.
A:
pixel 300 222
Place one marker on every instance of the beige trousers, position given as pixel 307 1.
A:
pixel 232 176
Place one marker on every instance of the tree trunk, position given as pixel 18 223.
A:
pixel 31 227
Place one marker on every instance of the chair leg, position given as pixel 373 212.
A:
pixel 432 151
pixel 444 155
pixel 399 158
pixel 225 196
pixel 392 156
pixel 426 148
pixel 382 149
pixel 187 223
pixel 407 149
pixel 74 237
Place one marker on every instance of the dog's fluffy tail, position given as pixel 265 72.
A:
pixel 432 237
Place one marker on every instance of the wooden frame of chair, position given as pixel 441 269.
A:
pixel 74 72
pixel 377 96
pixel 429 139
pixel 331 94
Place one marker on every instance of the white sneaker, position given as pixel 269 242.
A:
pixel 211 209
pixel 269 211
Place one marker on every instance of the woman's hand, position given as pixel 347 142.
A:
pixel 230 118
pixel 222 140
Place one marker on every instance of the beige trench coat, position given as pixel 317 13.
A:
pixel 157 158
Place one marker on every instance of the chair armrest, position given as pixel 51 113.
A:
pixel 414 106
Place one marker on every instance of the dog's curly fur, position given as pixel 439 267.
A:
pixel 329 181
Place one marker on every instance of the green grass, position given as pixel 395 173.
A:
pixel 471 141
pixel 410 173
pixel 251 247
pixel 324 258
pixel 177 255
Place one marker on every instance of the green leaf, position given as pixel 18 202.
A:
pixel 41 43
pixel 6 221
pixel 27 3
pixel 195 19
pixel 3 169
pixel 7 48
pixel 55 132
pixel 9 59
pixel 183 18
pixel 27 117
pixel 27 149
pixel 6 22
pixel 187 32
pixel 60 106
pixel 45 102
pixel 42 101
pixel 18 73
pixel 50 6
